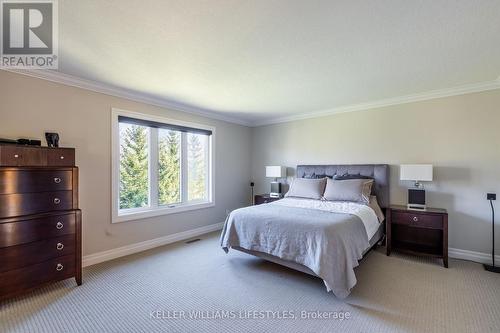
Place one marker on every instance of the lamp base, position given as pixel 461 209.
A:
pixel 491 268
pixel 275 190
pixel 416 207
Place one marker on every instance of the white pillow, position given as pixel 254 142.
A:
pixel 356 190
pixel 307 188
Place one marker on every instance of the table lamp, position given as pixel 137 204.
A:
pixel 275 171
pixel 417 173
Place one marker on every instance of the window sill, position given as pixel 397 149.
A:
pixel 138 215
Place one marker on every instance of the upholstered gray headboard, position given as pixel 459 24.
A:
pixel 379 172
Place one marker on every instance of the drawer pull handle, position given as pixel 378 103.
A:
pixel 59 267
pixel 415 219
pixel 57 201
pixel 62 157
pixel 57 180
pixel 59 225
pixel 60 246
pixel 16 156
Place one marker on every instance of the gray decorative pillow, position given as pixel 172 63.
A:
pixel 307 188
pixel 315 176
pixel 356 190
pixel 350 176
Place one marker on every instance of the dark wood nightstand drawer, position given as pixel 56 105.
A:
pixel 418 219
pixel 263 199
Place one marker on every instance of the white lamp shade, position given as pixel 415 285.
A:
pixel 416 172
pixel 275 171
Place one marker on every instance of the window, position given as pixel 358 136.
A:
pixel 160 166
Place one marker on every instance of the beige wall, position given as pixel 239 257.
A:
pixel 459 135
pixel 29 107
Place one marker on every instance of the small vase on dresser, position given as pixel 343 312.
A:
pixel 40 223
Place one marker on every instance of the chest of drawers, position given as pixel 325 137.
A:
pixel 40 223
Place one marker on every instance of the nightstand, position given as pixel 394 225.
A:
pixel 418 232
pixel 264 198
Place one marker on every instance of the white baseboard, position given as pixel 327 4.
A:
pixel 103 256
pixel 480 257
pixel 96 258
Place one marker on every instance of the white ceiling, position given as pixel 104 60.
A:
pixel 259 60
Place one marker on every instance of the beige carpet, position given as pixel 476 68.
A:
pixel 394 294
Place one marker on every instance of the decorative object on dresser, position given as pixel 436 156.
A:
pixel 264 198
pixel 8 141
pixel 28 142
pixel 418 232
pixel 275 172
pixel 40 223
pixel 417 173
pixel 52 139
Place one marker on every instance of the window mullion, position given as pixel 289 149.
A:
pixel 207 170
pixel 184 168
pixel 153 167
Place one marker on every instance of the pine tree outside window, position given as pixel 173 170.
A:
pixel 197 159
pixel 134 166
pixel 169 167
pixel 160 166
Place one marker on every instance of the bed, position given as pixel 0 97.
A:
pixel 317 237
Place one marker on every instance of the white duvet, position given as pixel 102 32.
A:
pixel 364 212
pixel 329 238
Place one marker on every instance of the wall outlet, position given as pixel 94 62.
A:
pixel 491 196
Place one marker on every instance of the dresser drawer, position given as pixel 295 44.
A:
pixel 26 231
pixel 22 156
pixel 26 278
pixel 24 181
pixel 60 156
pixel 421 220
pixel 15 257
pixel 34 203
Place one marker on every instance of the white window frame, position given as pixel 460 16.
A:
pixel 154 209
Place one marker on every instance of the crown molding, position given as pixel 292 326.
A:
pixel 73 81
pixel 433 94
pixel 70 80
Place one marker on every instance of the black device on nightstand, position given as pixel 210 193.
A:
pixel 418 232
